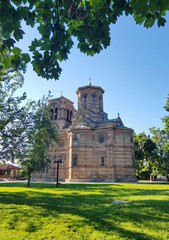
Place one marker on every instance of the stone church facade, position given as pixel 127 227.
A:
pixel 93 147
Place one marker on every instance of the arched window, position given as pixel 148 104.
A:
pixel 93 100
pixel 68 115
pixel 51 114
pixel 102 161
pixel 85 101
pixel 56 113
pixel 71 114
pixel 74 160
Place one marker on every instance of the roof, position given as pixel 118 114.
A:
pixel 108 120
pixel 90 86
pixel 62 100
pixel 8 167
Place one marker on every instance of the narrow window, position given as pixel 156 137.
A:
pixel 71 114
pixel 62 163
pixel 56 113
pixel 102 161
pixel 100 102
pixel 93 101
pixel 74 162
pixel 85 101
pixel 67 115
pixel 51 114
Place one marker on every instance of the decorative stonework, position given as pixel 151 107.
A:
pixel 94 148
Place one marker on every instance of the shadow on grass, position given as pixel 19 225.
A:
pixel 93 203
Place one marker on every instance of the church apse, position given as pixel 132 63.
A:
pixel 94 147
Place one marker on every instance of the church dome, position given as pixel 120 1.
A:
pixel 90 97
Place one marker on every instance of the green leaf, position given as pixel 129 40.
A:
pixel 16 51
pixel 24 11
pixel 9 42
pixel 161 22
pixel 139 19
pixel 18 34
pixel 83 47
pixel 25 57
pixel 149 22
pixel 90 53
pixel 7 62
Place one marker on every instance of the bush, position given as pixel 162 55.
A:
pixel 22 174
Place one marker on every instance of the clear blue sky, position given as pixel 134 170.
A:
pixel 133 71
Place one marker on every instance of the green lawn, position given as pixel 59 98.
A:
pixel 84 211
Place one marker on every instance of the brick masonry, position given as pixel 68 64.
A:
pixel 94 148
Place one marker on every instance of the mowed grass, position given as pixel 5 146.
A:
pixel 84 211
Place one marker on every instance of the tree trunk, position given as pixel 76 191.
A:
pixel 151 178
pixel 29 180
pixel 150 170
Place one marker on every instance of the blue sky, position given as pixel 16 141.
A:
pixel 133 71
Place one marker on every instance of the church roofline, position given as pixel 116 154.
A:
pixel 123 127
pixel 108 120
pixel 62 97
pixel 89 86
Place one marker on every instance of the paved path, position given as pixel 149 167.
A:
pixel 54 182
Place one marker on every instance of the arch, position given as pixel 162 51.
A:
pixel 75 138
pixel 101 156
pixel 51 114
pixel 102 161
pixel 56 114
pixel 85 101
pixel 67 118
pixel 74 160
pixel 93 100
pixel 71 115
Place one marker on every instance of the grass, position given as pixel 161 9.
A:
pixel 84 211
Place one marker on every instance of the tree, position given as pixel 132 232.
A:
pixel 39 135
pixel 146 154
pixel 25 128
pixel 161 139
pixel 166 118
pixel 139 156
pixel 59 20
pixel 12 117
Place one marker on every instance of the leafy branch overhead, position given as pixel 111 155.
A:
pixel 59 20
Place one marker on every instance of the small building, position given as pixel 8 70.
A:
pixel 8 171
pixel 93 147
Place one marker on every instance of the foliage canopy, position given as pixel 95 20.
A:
pixel 40 134
pixel 152 154
pixel 26 131
pixel 12 117
pixel 59 20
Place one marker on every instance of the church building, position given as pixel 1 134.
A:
pixel 92 147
